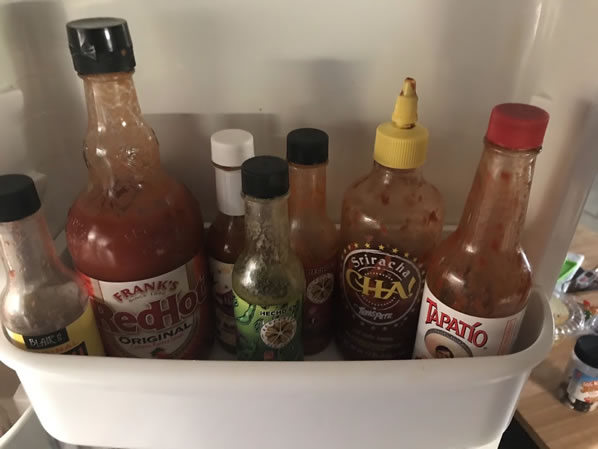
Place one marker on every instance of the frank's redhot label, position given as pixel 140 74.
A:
pixel 167 316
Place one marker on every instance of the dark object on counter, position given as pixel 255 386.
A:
pixel 582 391
pixel 515 437
pixel 583 280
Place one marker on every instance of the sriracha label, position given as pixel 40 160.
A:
pixel 381 288
pixel 444 332
pixel 161 317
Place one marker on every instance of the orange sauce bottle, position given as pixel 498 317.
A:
pixel 314 237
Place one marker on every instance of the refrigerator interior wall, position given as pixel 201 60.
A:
pixel 270 66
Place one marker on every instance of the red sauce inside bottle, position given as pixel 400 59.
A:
pixel 135 235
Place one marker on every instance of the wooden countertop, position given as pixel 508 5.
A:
pixel 549 422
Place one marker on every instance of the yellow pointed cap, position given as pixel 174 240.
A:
pixel 402 143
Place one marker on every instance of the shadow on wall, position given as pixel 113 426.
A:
pixel 54 117
pixel 332 105
pixel 185 147
pixel 198 61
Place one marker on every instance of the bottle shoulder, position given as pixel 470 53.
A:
pixel 52 304
pixel 136 231
pixel 479 281
pixel 406 212
pixel 380 193
pixel 226 237
pixel 260 281
pixel 314 241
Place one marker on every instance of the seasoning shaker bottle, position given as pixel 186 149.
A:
pixel 268 279
pixel 226 236
pixel 314 236
pixel 582 390
pixel 44 307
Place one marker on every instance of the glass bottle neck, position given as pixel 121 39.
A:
pixel 28 251
pixel 496 207
pixel 119 145
pixel 110 96
pixel 267 228
pixel 307 189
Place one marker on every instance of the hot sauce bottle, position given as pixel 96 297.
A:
pixel 226 236
pixel 268 279
pixel 391 220
pixel 314 237
pixel 135 233
pixel 479 278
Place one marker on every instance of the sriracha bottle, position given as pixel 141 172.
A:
pixel 391 221
pixel 135 234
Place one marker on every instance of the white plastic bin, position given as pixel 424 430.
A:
pixel 168 404
pixel 26 431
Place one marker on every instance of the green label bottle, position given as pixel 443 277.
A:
pixel 268 279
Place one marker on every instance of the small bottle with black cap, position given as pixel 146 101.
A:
pixel 268 279
pixel 314 236
pixel 135 233
pixel 44 306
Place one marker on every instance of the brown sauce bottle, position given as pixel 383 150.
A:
pixel 226 236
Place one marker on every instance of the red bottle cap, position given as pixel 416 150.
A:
pixel 517 126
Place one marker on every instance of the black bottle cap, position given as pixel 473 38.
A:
pixel 18 198
pixel 265 177
pixel 307 146
pixel 586 350
pixel 100 45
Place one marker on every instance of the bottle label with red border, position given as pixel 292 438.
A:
pixel 444 332
pixel 166 316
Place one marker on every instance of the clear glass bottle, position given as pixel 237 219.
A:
pixel 391 220
pixel 135 233
pixel 314 237
pixel 44 307
pixel 226 236
pixel 479 278
pixel 268 279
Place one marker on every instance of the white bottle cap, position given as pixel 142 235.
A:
pixel 231 147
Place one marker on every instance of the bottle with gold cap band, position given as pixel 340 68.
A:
pixel 391 220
